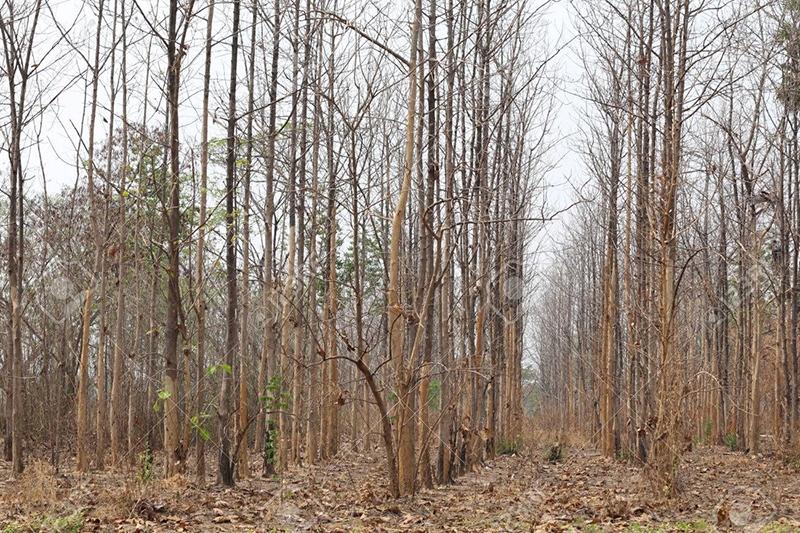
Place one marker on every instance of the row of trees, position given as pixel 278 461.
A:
pixel 673 313
pixel 334 259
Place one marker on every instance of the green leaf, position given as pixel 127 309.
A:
pixel 221 366
pixel 202 431
pixel 163 395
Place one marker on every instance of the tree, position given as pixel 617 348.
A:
pixel 18 29
pixel 227 455
pixel 200 299
pixel 395 314
pixel 83 376
pixel 175 449
pixel 116 413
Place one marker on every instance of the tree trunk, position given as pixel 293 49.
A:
pixel 227 457
pixel 395 314
pixel 200 299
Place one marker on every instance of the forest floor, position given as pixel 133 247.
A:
pixel 721 490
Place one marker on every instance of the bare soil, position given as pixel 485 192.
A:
pixel 720 490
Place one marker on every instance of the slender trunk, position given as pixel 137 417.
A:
pixel 395 316
pixel 316 365
pixel 83 374
pixel 267 349
pixel 243 469
pixel 172 437
pixel 117 385
pixel 330 382
pixel 200 300
pixel 226 458
pixel 101 407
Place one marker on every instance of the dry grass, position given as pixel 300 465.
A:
pixel 178 482
pixel 140 498
pixel 134 496
pixel 38 486
pixel 541 433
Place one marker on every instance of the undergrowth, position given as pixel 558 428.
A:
pixel 509 447
pixel 730 440
pixel 681 526
pixel 554 453
pixel 37 486
pixel 71 523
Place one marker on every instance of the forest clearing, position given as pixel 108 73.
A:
pixel 431 265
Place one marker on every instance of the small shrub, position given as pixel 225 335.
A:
pixel 731 441
pixel 509 447
pixel 626 456
pixel 274 400
pixel 708 427
pixel 270 451
pixel 791 457
pixel 145 473
pixel 113 503
pixel 37 486
pixel 793 462
pixel 555 453
pixel 72 523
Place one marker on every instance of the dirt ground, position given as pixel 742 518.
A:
pixel 721 490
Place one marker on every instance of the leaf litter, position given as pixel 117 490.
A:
pixel 719 491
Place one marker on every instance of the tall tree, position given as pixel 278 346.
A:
pixel 19 26
pixel 200 274
pixel 120 344
pixel 83 372
pixel 395 314
pixel 227 456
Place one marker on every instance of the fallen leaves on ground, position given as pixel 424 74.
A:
pixel 585 492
